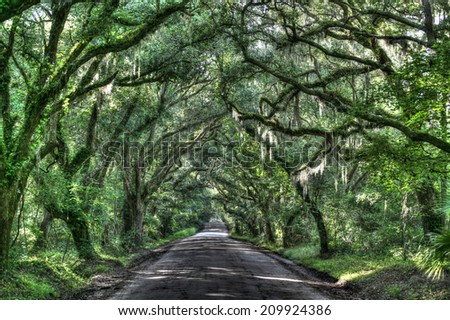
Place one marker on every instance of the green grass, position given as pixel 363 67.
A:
pixel 39 278
pixel 52 275
pixel 342 267
pixel 258 241
pixel 374 277
pixel 394 291
pixel 176 236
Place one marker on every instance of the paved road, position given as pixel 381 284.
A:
pixel 210 265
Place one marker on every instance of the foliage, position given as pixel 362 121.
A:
pixel 436 258
pixel 373 276
pixel 41 278
pixel 124 125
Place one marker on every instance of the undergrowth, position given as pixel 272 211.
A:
pixel 374 276
pixel 56 275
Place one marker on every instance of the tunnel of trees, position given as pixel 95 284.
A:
pixel 296 122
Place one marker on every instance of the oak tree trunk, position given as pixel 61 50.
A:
pixel 269 233
pixel 318 218
pixel 42 238
pixel 79 227
pixel 432 220
pixel 133 218
pixel 9 203
pixel 323 234
pixel 287 231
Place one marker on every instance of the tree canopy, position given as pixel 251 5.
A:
pixel 324 122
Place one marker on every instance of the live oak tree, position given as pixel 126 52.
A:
pixel 56 68
pixel 159 153
pixel 329 55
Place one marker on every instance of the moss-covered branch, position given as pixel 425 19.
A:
pixel 11 8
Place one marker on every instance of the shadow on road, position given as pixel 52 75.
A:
pixel 210 265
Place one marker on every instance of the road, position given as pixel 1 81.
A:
pixel 210 265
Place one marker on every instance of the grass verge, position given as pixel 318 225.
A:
pixel 38 278
pixel 50 276
pixel 176 236
pixel 374 277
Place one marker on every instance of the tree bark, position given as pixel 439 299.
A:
pixel 79 227
pixel 428 13
pixel 253 229
pixel 133 218
pixel 318 218
pixel 237 227
pixel 323 234
pixel 166 225
pixel 287 231
pixel 134 206
pixel 9 203
pixel 269 232
pixel 78 224
pixel 431 217
pixel 42 238
pixel 404 215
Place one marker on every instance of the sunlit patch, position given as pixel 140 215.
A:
pixel 155 278
pixel 175 271
pixel 220 269
pixel 355 275
pixel 211 234
pixel 279 279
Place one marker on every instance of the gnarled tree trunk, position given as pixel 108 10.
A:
pixel 78 224
pixel 133 217
pixel 269 232
pixel 432 219
pixel 42 238
pixel 287 231
pixel 79 227
pixel 9 203
pixel 318 218
pixel 323 234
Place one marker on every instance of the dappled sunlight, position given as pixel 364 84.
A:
pixel 357 275
pixel 154 278
pixel 210 234
pixel 217 267
pixel 278 279
pixel 140 139
pixel 220 269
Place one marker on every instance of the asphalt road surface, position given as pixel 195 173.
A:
pixel 210 265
